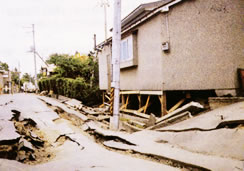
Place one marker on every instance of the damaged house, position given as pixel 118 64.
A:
pixel 177 50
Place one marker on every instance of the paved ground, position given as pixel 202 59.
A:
pixel 75 152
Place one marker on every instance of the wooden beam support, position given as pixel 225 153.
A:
pixel 102 105
pixel 103 97
pixel 151 92
pixel 122 107
pixel 163 102
pixel 177 105
pixel 139 100
pixel 127 101
pixel 143 107
pixel 123 99
pixel 130 92
pixel 146 106
pixel 108 97
pixel 142 92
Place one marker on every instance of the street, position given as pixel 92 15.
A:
pixel 76 152
pixel 43 133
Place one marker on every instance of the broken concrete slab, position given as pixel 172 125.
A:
pixel 172 152
pixel 171 120
pixel 191 107
pixel 73 103
pixel 5 114
pixel 135 112
pixel 216 102
pixel 210 120
pixel 151 121
pixel 226 143
pixel 130 128
pixel 8 131
pixel 117 145
pixel 11 165
pixel 124 116
pixel 54 102
pixel 90 112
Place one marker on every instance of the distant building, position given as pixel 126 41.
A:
pixel 1 81
pixel 48 70
pixel 5 81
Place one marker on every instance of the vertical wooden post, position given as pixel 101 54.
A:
pixel 123 99
pixel 139 100
pixel 127 101
pixel 163 101
pixel 103 97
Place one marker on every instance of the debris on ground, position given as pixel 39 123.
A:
pixel 44 93
pixel 186 138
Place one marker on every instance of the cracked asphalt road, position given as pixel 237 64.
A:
pixel 77 152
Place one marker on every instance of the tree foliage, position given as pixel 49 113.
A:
pixel 15 76
pixel 4 66
pixel 27 78
pixel 75 77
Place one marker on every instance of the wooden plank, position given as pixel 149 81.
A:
pixel 111 100
pixel 123 107
pixel 146 106
pixel 129 92
pixel 127 101
pixel 177 105
pixel 142 92
pixel 108 97
pixel 136 113
pixel 133 117
pixel 100 117
pixel 139 100
pixel 137 123
pixel 151 92
pixel 103 97
pixel 123 99
pixel 141 109
pixel 130 128
pixel 101 106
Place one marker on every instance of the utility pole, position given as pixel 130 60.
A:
pixel 116 63
pixel 19 75
pixel 34 53
pixel 105 4
pixel 95 41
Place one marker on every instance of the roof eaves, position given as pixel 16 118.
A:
pixel 138 10
pixel 163 7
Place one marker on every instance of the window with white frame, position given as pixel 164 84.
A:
pixel 126 49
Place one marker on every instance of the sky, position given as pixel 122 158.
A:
pixel 61 26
